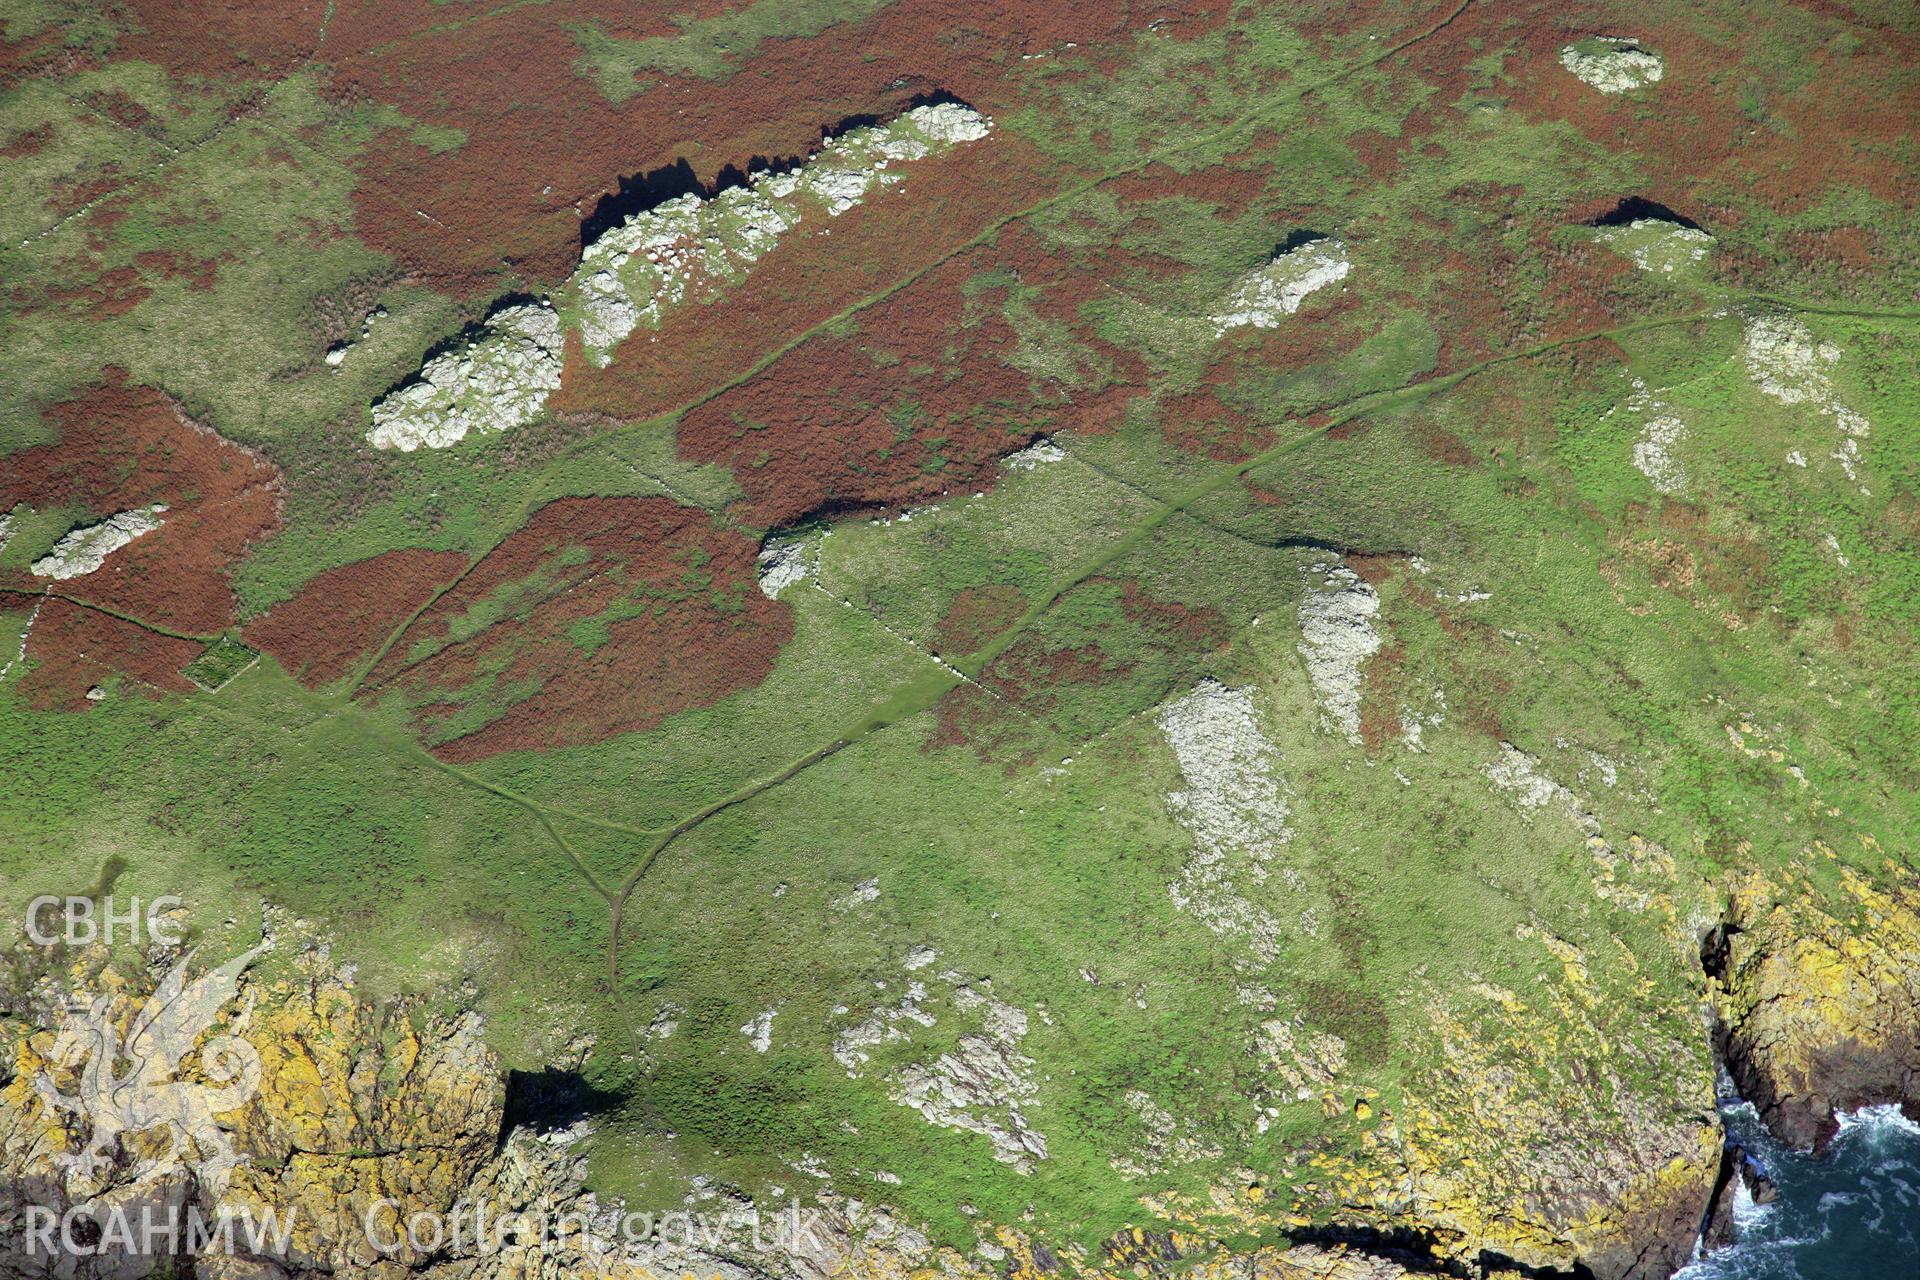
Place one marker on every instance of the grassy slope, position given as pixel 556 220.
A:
pixel 1591 639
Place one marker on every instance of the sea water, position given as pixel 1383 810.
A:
pixel 1852 1213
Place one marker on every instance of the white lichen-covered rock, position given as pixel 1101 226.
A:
pixel 1336 639
pixel 1620 872
pixel 838 184
pixel 1264 296
pixel 1656 245
pixel 949 122
pixel 784 563
pixel 690 248
pixel 499 380
pixel 1037 454
pixel 1519 776
pixel 982 1087
pixel 84 550
pixel 1833 545
pixel 1235 807
pixel 1302 1062
pixel 1611 64
pixel 1656 453
pixel 866 891
pixel 1414 723
pixel 1787 363
pixel 1167 1140
pixel 759 1030
pixel 666 1021
pixel 681 251
pixel 885 1024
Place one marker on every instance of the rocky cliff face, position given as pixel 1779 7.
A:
pixel 1818 997
pixel 1524 1149
pixel 370 1119
pixel 343 1103
pixel 1528 1145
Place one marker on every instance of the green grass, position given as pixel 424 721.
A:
pixel 1619 625
pixel 31 533
pixel 708 48
pixel 224 659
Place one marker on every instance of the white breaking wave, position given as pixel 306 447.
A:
pixel 1876 1121
pixel 1850 1213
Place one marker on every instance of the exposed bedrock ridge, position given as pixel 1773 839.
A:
pixel 685 248
pixel 1815 1015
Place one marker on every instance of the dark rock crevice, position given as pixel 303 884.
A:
pixel 1413 1249
pixel 1297 238
pixel 551 1100
pixel 1631 209
pixel 638 192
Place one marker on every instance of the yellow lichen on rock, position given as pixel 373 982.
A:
pixel 1534 1133
pixel 1818 993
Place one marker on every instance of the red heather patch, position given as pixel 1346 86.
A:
pixel 1172 626
pixel 113 293
pixel 1202 423
pixel 1374 569
pixel 1691 135
pixel 1038 680
pixel 1023 685
pixel 118 107
pixel 922 399
pixel 1380 698
pixel 975 616
pixel 1468 307
pixel 1840 129
pixel 1856 247
pixel 105 292
pixel 1032 681
pixel 1584 286
pixel 341 615
pixel 552 141
pixel 1326 327
pixel 20 58
pixel 200 274
pixel 945 202
pixel 1383 153
pixel 71 649
pixel 224 39
pixel 969 717
pixel 1443 446
pixel 1686 555
pixel 28 143
pixel 70 193
pixel 123 447
pixel 1477 662
pixel 600 616
pixel 1380 680
pixel 1100 258
pixel 1231 188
